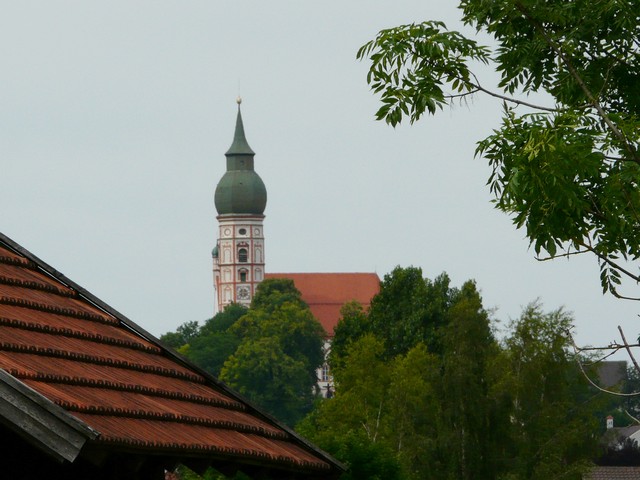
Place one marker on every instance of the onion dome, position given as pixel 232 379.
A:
pixel 240 190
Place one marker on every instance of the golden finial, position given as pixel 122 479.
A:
pixel 239 100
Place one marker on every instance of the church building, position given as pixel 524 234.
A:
pixel 239 254
pixel 240 199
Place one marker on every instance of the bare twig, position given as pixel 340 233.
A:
pixel 479 87
pixel 586 376
pixel 561 255
pixel 626 346
pixel 615 293
pixel 516 101
pixel 632 417
pixel 611 263
pixel 613 346
pixel 459 95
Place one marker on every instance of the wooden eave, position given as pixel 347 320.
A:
pixel 41 422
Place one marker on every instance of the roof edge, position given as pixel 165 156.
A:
pixel 41 422
pixel 86 295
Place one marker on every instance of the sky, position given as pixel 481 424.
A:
pixel 114 120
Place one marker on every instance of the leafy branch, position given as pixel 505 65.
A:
pixel 578 78
pixel 569 174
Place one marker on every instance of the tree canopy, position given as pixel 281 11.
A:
pixel 476 408
pixel 408 309
pixel 269 352
pixel 423 388
pixel 281 349
pixel 567 169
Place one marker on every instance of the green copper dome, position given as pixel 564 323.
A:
pixel 240 190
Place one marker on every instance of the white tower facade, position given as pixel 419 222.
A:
pixel 239 265
pixel 240 199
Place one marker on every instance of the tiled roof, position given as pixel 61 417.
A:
pixel 118 380
pixel 326 293
pixel 613 473
pixel 616 436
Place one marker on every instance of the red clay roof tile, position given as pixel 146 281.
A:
pixel 117 379
pixel 326 293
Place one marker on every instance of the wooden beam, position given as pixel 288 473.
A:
pixel 39 421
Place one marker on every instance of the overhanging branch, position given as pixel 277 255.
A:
pixel 576 76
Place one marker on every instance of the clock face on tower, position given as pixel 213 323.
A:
pixel 243 293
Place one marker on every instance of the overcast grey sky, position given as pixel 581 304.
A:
pixel 114 120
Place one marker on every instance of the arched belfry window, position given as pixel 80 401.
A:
pixel 243 256
pixel 243 275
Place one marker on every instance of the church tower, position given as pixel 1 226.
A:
pixel 240 199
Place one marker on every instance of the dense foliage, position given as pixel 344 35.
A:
pixel 567 169
pixel 423 389
pixel 454 402
pixel 269 352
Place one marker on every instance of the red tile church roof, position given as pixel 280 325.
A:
pixel 119 381
pixel 326 293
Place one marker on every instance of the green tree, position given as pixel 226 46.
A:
pixel 553 430
pixel 366 459
pixel 221 321
pixel 184 473
pixel 399 313
pixel 215 343
pixel 210 351
pixel 273 292
pixel 473 419
pixel 353 324
pixel 182 336
pixel 362 385
pixel 631 403
pixel 567 170
pixel 300 335
pixel 269 352
pixel 209 345
pixel 477 409
pixel 435 410
pixel 261 371
pixel 172 339
pixel 407 310
pixel 415 409
pixel 280 349
pixel 356 425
